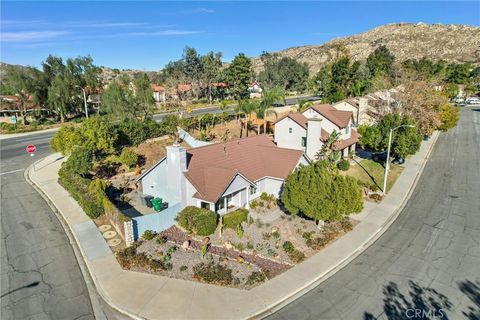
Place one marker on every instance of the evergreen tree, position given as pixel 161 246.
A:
pixel 240 75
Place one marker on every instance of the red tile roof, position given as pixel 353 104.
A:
pixel 342 144
pixel 299 118
pixel 157 88
pixel 212 168
pixel 338 117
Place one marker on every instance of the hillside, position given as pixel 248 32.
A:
pixel 453 43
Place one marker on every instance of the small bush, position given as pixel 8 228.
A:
pixel 255 277
pixel 198 220
pixel 343 165
pixel 233 219
pixel 253 204
pixel 183 268
pixel 264 196
pixel 346 224
pixel 161 240
pixel 128 157
pixel 294 254
pixel 149 235
pixel 213 273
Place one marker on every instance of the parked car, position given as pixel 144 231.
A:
pixel 472 100
pixel 398 160
pixel 382 157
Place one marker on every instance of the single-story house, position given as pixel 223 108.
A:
pixel 158 93
pixel 309 130
pixel 221 176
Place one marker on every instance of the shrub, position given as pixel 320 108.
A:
pixel 294 254
pixel 213 273
pixel 133 132
pixel 89 198
pixel 65 139
pixel 183 268
pixel 233 219
pixel 346 224
pixel 449 116
pixel 161 240
pixel 149 235
pixel 255 277
pixel 343 165
pixel 198 220
pixel 128 157
pixel 81 160
pixel 253 204
pixel 264 196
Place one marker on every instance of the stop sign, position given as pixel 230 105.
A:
pixel 31 148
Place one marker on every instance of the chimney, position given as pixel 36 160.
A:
pixel 314 131
pixel 176 166
pixel 362 111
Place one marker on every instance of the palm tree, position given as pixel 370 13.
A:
pixel 303 105
pixel 246 107
pixel 328 149
pixel 265 107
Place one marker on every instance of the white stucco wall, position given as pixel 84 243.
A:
pixel 237 183
pixel 284 139
pixel 187 196
pixel 154 182
pixel 270 186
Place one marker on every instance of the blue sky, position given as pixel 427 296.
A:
pixel 146 35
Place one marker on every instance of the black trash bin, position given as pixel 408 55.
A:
pixel 148 200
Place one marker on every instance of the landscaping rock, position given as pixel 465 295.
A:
pixel 186 244
pixel 228 245
pixel 240 259
pixel 274 230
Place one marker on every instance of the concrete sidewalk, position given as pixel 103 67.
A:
pixel 155 297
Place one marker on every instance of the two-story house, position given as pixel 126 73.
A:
pixel 309 130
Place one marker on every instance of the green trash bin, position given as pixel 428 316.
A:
pixel 157 204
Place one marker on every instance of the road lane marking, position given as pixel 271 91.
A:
pixel 13 171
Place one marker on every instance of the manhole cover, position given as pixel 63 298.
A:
pixel 109 234
pixel 104 227
pixel 114 242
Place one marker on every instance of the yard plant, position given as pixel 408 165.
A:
pixel 200 221
pixel 235 218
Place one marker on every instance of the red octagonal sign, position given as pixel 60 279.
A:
pixel 31 148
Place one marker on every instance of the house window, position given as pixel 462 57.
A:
pixel 304 142
pixel 253 190
pixel 289 130
pixel 347 129
pixel 204 205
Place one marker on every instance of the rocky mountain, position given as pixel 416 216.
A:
pixel 452 43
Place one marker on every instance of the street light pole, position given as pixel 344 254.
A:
pixel 387 164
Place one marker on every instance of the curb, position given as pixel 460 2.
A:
pixel 98 297
pixel 92 286
pixel 270 310
pixel 25 134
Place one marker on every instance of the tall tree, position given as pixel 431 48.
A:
pixel 240 75
pixel 380 61
pixel 286 73
pixel 21 83
pixel 144 95
pixel 212 62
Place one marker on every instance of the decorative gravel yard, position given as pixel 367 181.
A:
pixel 229 257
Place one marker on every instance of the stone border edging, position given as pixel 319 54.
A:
pixel 364 246
pixel 90 281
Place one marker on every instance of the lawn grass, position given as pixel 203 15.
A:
pixel 370 174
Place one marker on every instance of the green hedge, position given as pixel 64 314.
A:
pixel 233 219
pixel 198 220
pixel 343 165
pixel 78 187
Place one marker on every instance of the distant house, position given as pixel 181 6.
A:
pixel 11 107
pixel 359 109
pixel 158 93
pixel 222 176
pixel 309 130
pixel 255 90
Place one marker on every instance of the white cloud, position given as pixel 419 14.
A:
pixel 163 33
pixel 30 36
pixel 203 10
pixel 111 24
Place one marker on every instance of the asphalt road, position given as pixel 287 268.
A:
pixel 40 277
pixel 427 264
